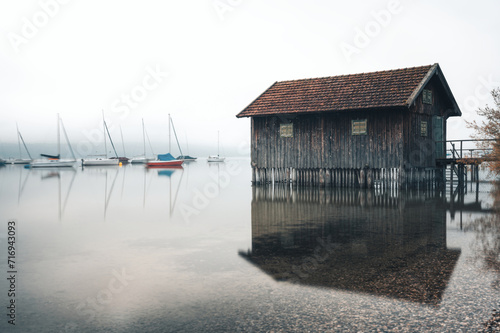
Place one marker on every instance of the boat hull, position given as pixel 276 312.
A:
pixel 100 162
pixel 215 159
pixel 123 160
pixel 19 161
pixel 164 164
pixel 139 160
pixel 53 164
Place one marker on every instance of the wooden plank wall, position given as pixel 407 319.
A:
pixel 325 141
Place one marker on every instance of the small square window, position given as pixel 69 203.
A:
pixel 423 128
pixel 359 127
pixel 427 96
pixel 286 130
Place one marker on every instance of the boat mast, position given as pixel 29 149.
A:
pixel 19 136
pixel 217 143
pixel 110 140
pixel 104 135
pixel 144 137
pixel 123 142
pixel 67 139
pixel 58 138
pixel 176 139
pixel 169 136
pixel 149 141
pixel 18 140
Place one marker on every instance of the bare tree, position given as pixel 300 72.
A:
pixel 489 128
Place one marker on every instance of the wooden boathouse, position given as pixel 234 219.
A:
pixel 358 130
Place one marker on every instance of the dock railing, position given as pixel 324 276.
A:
pixel 460 156
pixel 468 148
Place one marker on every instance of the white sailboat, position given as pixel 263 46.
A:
pixel 141 159
pixel 101 160
pixel 216 158
pixel 20 160
pixel 54 161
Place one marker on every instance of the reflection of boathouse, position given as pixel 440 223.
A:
pixel 352 130
pixel 353 240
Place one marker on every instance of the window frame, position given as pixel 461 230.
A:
pixel 359 126
pixel 427 96
pixel 424 128
pixel 286 130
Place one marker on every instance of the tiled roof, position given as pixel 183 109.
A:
pixel 391 88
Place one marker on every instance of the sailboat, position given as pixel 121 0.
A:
pixel 54 161
pixel 100 160
pixel 216 158
pixel 185 158
pixel 181 156
pixel 166 160
pixel 20 160
pixel 142 159
pixel 122 159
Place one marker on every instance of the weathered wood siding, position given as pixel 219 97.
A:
pixel 326 141
pixel 393 139
pixel 420 151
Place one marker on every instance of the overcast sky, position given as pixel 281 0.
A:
pixel 203 61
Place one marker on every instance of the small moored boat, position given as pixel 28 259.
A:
pixel 164 161
pixel 99 161
pixel 216 158
pixel 186 158
pixel 54 161
pixel 103 159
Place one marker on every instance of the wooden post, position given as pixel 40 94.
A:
pixel 369 178
pixel 362 178
pixel 452 166
pixel 328 177
pixel 401 179
pixel 461 178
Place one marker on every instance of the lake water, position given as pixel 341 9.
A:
pixel 198 249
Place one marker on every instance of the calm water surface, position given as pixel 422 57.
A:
pixel 125 249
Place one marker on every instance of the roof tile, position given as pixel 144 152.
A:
pixel 338 93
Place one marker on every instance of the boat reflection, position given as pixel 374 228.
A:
pixel 383 244
pixel 49 174
pixel 172 193
pixel 169 171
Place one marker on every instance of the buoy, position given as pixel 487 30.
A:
pixel 120 164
